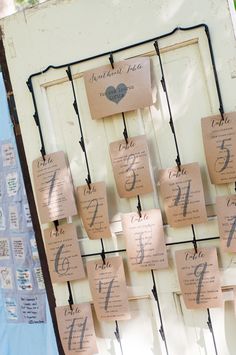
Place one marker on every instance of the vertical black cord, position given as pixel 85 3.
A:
pixel 117 335
pixel 155 294
pixel 125 132
pixel 82 144
pixel 178 161
pixel 103 254
pixel 171 122
pixel 36 118
pixel 139 207
pixel 116 332
pixel 154 289
pixel 209 323
pixel 70 299
pixel 194 239
pixel 221 108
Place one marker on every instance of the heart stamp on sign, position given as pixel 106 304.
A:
pixel 115 95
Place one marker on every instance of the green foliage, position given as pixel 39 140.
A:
pixel 235 4
pixel 26 2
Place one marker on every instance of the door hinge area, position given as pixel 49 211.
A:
pixel 13 113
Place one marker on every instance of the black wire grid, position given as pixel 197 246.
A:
pixel 88 179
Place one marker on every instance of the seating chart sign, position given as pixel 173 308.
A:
pixel 226 216
pixel 53 188
pixel 219 138
pixel 126 87
pixel 183 196
pixel 76 329
pixel 108 288
pixel 131 169
pixel 144 237
pixel 63 253
pixel 93 209
pixel 199 278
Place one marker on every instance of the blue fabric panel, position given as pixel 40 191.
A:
pixel 19 337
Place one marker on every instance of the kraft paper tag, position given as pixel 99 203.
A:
pixel 226 216
pixel 131 169
pixel 108 288
pixel 76 329
pixel 183 196
pixel 63 253
pixel 144 237
pixel 199 278
pixel 219 138
pixel 53 187
pixel 93 209
pixel 124 88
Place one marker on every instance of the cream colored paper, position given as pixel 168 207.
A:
pixel 182 194
pixel 226 216
pixel 76 329
pixel 219 138
pixel 131 169
pixel 199 278
pixel 108 288
pixel 63 253
pixel 144 237
pixel 53 188
pixel 124 88
pixel 93 209
pixel 13 217
pixel 4 249
pixel 6 280
pixel 8 155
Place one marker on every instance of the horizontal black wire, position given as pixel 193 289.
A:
pixel 167 244
pixel 120 49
